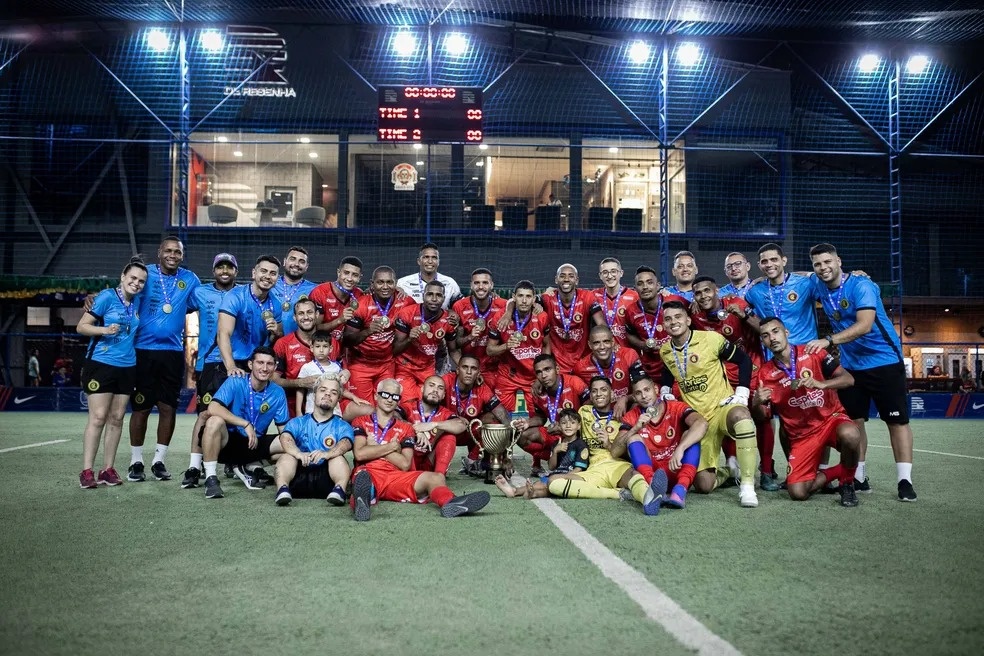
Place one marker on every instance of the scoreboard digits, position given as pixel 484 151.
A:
pixel 429 114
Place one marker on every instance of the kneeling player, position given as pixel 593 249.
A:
pixel 384 458
pixel 800 387
pixel 318 441
pixel 662 436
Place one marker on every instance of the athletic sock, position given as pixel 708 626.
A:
pixel 136 454
pixel 836 473
pixel 196 461
pixel 685 477
pixel 765 438
pixel 638 486
pixel 473 452
pixel 729 452
pixel 159 452
pixel 569 489
pixel 641 461
pixel 746 450
pixel 849 474
pixel 443 453
pixel 210 468
pixel 441 495
pixel 862 471
pixel 904 471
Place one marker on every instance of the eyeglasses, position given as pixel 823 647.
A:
pixel 389 396
pixel 735 265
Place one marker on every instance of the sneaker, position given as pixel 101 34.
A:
pixel 906 491
pixel 625 494
pixel 536 471
pixel 362 492
pixel 247 478
pixel 212 488
pixel 135 473
pixel 110 478
pixel 768 483
pixel 465 504
pixel 87 480
pixel 675 501
pixel 283 496
pixel 467 465
pixel 228 471
pixel 191 477
pixel 747 497
pixel 849 499
pixel 653 499
pixel 865 487
pixel 337 496
pixel 160 472
pixel 262 476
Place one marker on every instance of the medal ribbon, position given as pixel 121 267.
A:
pixel 651 330
pixel 289 299
pixel 791 372
pixel 777 307
pixel 607 374
pixel 457 398
pixel 346 294
pixel 382 312
pixel 426 418
pixel 835 302
pixel 597 417
pixel 478 314
pixel 564 318
pixel 520 328
pixel 128 309
pixel 254 412
pixel 381 437
pixel 553 408
pixel 610 314
pixel 165 292
pixel 682 366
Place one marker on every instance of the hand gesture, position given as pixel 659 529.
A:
pixel 763 395
pixel 111 329
pixel 376 326
pixel 453 320
pixel 416 332
pixel 812 383
pixel 503 322
pixel 347 313
pixel 621 405
pixel 521 424
pixel 514 340
pixel 271 324
pixel 815 345
pixel 306 459
pixel 422 442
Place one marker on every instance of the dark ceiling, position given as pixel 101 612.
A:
pixel 925 21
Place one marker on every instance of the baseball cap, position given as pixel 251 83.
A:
pixel 225 257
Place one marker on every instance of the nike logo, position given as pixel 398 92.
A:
pixel 976 406
pixel 18 401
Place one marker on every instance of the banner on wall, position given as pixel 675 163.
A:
pixel 64 399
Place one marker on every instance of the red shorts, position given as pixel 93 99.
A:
pixel 411 382
pixel 364 376
pixel 671 476
pixel 395 486
pixel 805 453
pixel 507 388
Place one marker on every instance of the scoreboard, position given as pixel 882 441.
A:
pixel 428 114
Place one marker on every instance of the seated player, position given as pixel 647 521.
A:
pixel 317 442
pixel 239 415
pixel 551 393
pixel 569 456
pixel 436 426
pixel 469 399
pixel 610 361
pixel 800 388
pixel 384 459
pixel 662 436
pixel 420 330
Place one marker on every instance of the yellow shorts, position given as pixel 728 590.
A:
pixel 717 432
pixel 606 473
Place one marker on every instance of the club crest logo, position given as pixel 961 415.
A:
pixel 657 438
pixel 578 317
pixel 265 407
pixel 207 398
pixel 182 284
pixel 727 330
pixel 93 386
pixel 619 374
pixel 534 334
pixel 792 296
pixel 621 311
pixel 806 373
pixel 568 404
pixel 471 411
pixel 139 398
pixel 659 327
pixel 328 442
pixel 404 177
pixel 439 334
pixel 844 304
pixel 670 432
pixel 694 358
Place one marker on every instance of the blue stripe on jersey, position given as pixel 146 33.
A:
pixel 163 331
pixel 250 330
pixel 881 346
pixel 116 350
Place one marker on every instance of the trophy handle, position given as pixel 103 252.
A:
pixel 515 434
pixel 471 434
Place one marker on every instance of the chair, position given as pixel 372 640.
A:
pixel 222 214
pixel 600 219
pixel 548 217
pixel 481 217
pixel 628 219
pixel 311 216
pixel 264 212
pixel 514 217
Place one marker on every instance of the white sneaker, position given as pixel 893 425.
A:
pixel 747 497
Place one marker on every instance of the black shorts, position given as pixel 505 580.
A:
pixel 210 379
pixel 884 385
pixel 311 482
pixel 237 451
pixel 159 378
pixel 102 378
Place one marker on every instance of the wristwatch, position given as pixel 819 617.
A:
pixel 830 340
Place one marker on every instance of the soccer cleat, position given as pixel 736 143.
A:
pixel 160 472
pixel 262 476
pixel 135 473
pixel 906 491
pixel 849 499
pixel 653 499
pixel 87 480
pixel 747 497
pixel 228 471
pixel 362 493
pixel 675 501
pixel 212 488
pixel 110 478
pixel 337 496
pixel 191 477
pixel 865 487
pixel 465 504
pixel 247 478
pixel 768 483
pixel 283 496
pixel 625 494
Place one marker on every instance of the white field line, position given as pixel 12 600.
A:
pixel 31 446
pixel 935 453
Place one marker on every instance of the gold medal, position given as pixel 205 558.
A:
pixel 651 411
pixel 794 384
pixel 354 304
pixel 596 427
pixel 837 315
pixel 522 337
pixel 267 314
pixel 425 327
pixel 480 324
pixel 167 308
pixel 384 322
pixel 286 306
pixel 651 344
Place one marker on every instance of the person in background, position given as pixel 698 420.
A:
pixel 33 370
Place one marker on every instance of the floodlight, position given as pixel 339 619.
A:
pixel 688 54
pixel 455 44
pixel 639 52
pixel 869 63
pixel 158 40
pixel 212 40
pixel 404 43
pixel 917 64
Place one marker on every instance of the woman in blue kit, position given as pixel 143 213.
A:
pixel 108 375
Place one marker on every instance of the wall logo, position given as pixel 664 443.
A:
pixel 252 48
pixel 404 177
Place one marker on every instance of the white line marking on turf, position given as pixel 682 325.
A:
pixel 935 453
pixel 657 606
pixel 31 446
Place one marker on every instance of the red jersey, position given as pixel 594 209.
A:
pixel 616 370
pixel 615 309
pixel 326 295
pixel 377 347
pixel 468 405
pixel 376 433
pixel 662 438
pixel 421 355
pixel 569 326
pixel 293 353
pixel 804 408
pixel 570 393
pixel 733 329
pixel 516 364
pixel 467 310
pixel 648 325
